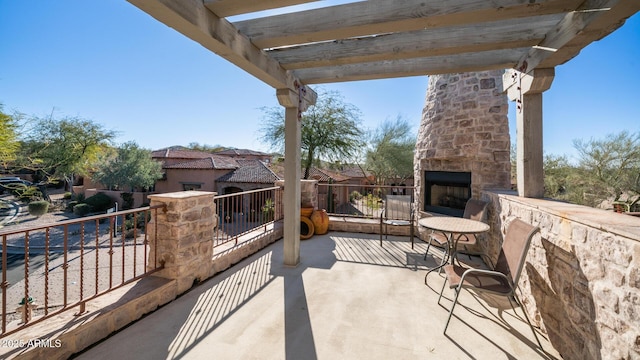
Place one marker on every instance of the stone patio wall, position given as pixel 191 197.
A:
pixel 582 275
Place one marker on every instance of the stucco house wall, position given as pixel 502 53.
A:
pixel 179 179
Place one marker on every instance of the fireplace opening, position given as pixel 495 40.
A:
pixel 446 192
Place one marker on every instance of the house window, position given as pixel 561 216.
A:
pixel 191 186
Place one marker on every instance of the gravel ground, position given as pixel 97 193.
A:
pixel 103 262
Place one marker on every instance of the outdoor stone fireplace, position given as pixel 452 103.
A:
pixel 463 142
pixel 446 192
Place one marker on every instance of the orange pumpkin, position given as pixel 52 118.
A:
pixel 320 221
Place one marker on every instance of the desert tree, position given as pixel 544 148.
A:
pixel 63 148
pixel 330 130
pixel 610 166
pixel 8 138
pixel 389 156
pixel 126 168
pixel 205 147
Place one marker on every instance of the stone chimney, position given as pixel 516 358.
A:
pixel 463 142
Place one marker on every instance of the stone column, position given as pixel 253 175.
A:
pixel 184 239
pixel 464 128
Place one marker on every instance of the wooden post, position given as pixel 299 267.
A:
pixel 529 155
pixel 527 90
pixel 292 174
pixel 295 103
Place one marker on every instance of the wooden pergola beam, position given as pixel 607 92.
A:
pixel 595 30
pixel 224 8
pixel 417 44
pixel 487 60
pixel 573 25
pixel 380 17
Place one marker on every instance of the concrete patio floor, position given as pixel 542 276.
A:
pixel 349 298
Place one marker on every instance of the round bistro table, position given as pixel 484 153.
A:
pixel 449 226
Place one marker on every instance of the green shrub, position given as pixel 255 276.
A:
pixel 268 210
pixel 82 209
pixel 99 202
pixel 135 221
pixel 354 196
pixel 373 202
pixel 70 205
pixel 139 220
pixel 38 208
pixel 128 224
pixel 127 200
pixel 67 195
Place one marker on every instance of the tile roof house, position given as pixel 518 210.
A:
pixel 177 154
pixel 329 176
pixel 187 169
pixel 322 175
pixel 210 162
pixel 246 154
pixel 250 175
pixel 356 173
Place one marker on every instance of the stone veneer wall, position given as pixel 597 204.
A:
pixel 465 127
pixel 184 239
pixel 582 275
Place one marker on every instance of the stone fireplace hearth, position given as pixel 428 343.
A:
pixel 463 142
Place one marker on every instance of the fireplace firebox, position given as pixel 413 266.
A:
pixel 446 192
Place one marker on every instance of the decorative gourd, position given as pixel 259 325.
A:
pixel 306 211
pixel 306 228
pixel 320 221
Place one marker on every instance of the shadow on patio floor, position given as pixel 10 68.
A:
pixel 348 298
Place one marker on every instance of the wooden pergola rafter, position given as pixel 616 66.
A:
pixel 384 39
pixel 341 42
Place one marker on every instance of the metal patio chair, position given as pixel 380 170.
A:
pixel 501 281
pixel 397 211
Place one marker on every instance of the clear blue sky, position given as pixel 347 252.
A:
pixel 109 62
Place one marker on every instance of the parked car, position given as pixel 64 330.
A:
pixel 7 181
pixel 9 178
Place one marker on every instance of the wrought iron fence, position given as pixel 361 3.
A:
pixel 244 212
pixel 364 201
pixel 68 263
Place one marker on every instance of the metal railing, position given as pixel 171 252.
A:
pixel 68 263
pixel 363 201
pixel 244 212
